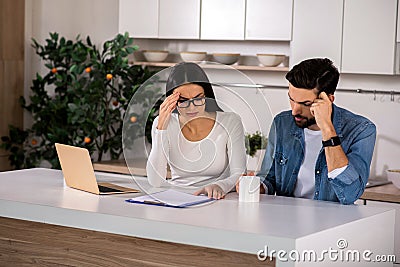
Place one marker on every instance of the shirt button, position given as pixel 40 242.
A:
pixel 318 172
pixel 316 193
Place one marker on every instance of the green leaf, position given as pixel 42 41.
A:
pixel 54 36
pixel 73 68
pixel 72 107
pixel 88 41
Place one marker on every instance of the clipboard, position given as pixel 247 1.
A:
pixel 170 198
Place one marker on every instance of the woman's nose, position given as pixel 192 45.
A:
pixel 191 105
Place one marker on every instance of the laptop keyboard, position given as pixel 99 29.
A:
pixel 104 189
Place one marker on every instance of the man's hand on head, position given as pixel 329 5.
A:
pixel 321 109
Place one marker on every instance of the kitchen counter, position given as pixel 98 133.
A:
pixel 278 223
pixel 385 193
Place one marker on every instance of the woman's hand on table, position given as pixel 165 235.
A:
pixel 212 191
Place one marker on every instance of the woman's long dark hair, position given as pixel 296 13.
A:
pixel 188 72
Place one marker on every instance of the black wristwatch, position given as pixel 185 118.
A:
pixel 334 141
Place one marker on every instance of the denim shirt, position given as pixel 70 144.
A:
pixel 285 154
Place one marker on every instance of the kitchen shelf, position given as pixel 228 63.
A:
pixel 213 66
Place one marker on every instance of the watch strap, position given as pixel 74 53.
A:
pixel 334 141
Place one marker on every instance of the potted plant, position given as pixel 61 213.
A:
pixel 80 100
pixel 256 144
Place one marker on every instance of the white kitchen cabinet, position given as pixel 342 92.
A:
pixel 269 20
pixel 317 30
pixel 358 35
pixel 369 36
pixel 139 18
pixel 222 19
pixel 207 19
pixel 168 19
pixel 179 19
pixel 397 57
pixel 398 21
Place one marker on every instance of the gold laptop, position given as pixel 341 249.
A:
pixel 79 173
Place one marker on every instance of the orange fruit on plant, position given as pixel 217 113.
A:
pixel 88 69
pixel 115 103
pixel 54 70
pixel 87 140
pixel 133 119
pixel 109 76
pixel 34 142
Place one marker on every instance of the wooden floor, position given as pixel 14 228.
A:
pixel 24 243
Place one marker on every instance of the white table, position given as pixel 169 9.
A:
pixel 280 223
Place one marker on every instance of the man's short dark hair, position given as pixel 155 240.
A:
pixel 319 73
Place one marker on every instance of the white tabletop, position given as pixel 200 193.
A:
pixel 40 195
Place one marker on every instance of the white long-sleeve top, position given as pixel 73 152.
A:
pixel 219 158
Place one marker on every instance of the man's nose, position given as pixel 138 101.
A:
pixel 296 109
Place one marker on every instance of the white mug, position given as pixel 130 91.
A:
pixel 249 189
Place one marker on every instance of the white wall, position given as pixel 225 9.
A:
pixel 99 19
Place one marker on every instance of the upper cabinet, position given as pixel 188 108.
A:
pixel 317 30
pixel 358 35
pixel 139 18
pixel 269 20
pixel 398 22
pixel 222 19
pixel 170 19
pixel 369 36
pixel 179 19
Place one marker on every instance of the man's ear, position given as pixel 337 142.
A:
pixel 331 97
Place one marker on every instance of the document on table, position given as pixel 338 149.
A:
pixel 170 198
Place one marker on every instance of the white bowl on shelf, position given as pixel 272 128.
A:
pixel 155 55
pixel 394 177
pixel 226 58
pixel 190 56
pixel 270 60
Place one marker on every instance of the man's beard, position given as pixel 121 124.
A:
pixel 307 122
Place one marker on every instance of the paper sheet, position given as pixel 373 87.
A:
pixel 171 198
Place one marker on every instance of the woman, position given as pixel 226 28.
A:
pixel 203 145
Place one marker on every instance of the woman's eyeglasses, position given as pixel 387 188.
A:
pixel 198 101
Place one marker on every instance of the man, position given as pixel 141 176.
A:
pixel 317 150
